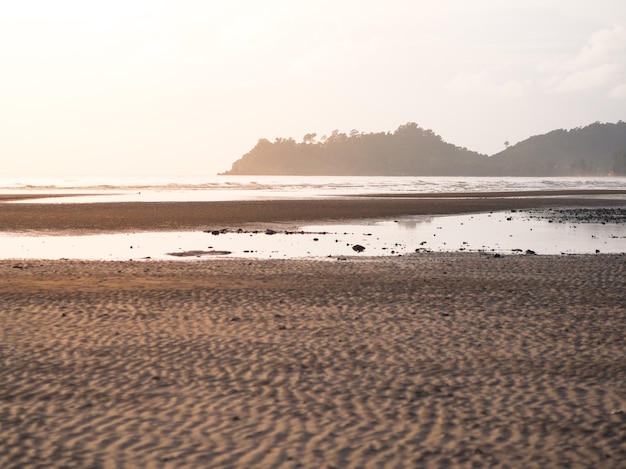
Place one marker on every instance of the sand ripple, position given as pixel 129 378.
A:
pixel 436 360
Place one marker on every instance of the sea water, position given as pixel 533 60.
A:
pixel 211 188
pixel 499 232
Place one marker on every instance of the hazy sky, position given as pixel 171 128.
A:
pixel 186 87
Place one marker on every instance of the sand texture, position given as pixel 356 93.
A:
pixel 429 360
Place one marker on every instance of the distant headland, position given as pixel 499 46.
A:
pixel 598 149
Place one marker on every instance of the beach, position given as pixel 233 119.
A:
pixel 179 216
pixel 423 360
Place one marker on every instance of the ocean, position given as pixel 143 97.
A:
pixel 210 188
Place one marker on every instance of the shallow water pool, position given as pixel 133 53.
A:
pixel 498 232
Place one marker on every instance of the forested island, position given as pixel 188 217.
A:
pixel 598 149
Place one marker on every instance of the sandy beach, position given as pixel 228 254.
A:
pixel 424 360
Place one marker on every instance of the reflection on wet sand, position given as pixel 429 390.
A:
pixel 540 231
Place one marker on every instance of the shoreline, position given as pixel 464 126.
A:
pixel 100 217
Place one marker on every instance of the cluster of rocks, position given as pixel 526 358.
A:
pixel 601 216
pixel 267 231
pixel 358 248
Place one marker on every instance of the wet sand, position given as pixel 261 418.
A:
pixel 181 216
pixel 428 360
pixel 425 360
pixel 29 196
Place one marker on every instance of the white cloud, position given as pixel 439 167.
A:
pixel 604 46
pixel 512 89
pixel 588 78
pixel 484 83
pixel 619 91
pixel 600 63
pixel 468 83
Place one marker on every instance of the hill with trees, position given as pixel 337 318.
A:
pixel 597 149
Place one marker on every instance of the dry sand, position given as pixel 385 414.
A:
pixel 429 360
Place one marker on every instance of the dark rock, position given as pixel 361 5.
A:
pixel 196 253
pixel 358 248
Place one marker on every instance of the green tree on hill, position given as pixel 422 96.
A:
pixel 597 149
